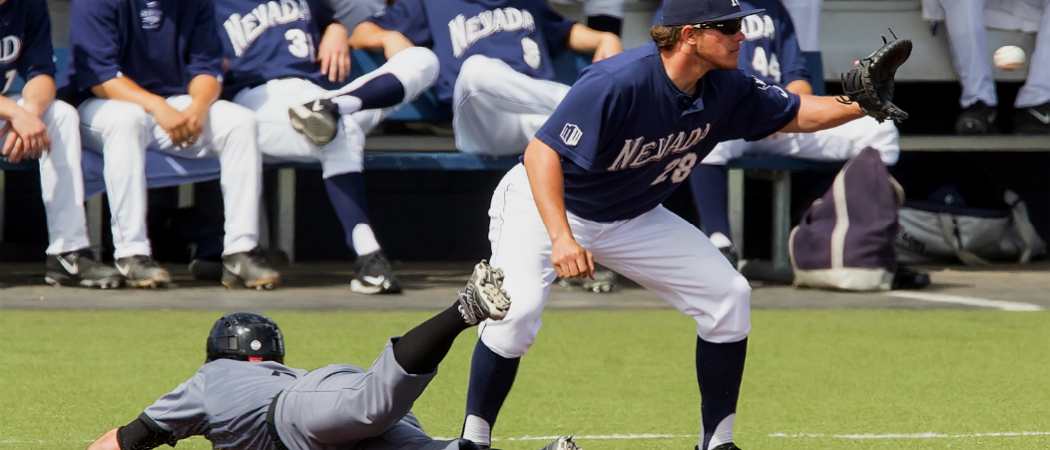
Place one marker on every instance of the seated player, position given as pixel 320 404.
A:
pixel 147 77
pixel 34 125
pixel 244 397
pixel 771 54
pixel 495 63
pixel 275 66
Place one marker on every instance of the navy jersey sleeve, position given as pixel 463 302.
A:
pixel 205 48
pixel 407 17
pixel 792 63
pixel 555 29
pixel 760 110
pixel 94 42
pixel 575 130
pixel 324 15
pixel 181 412
pixel 37 56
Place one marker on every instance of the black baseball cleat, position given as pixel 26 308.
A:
pixel 730 253
pixel 76 268
pixel 1032 120
pixel 976 119
pixel 317 120
pixel 250 270
pixel 563 443
pixel 726 446
pixel 142 271
pixel 905 278
pixel 374 275
pixel 484 297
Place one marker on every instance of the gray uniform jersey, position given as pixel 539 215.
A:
pixel 337 407
pixel 226 402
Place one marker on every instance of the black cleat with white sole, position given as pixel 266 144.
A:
pixel 484 297
pixel 374 275
pixel 142 271
pixel 76 268
pixel 250 270
pixel 563 443
pixel 726 446
pixel 317 120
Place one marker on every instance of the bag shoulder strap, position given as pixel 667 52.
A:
pixel 951 237
pixel 1033 244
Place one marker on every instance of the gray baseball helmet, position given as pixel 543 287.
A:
pixel 245 336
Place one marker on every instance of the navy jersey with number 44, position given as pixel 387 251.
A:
pixel 628 136
pixel 770 51
pixel 269 39
pixel 25 35
pixel 525 34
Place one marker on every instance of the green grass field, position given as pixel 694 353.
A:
pixel 822 378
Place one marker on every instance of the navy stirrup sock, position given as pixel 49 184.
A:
pixel 380 92
pixel 491 377
pixel 719 369
pixel 711 195
pixel 347 193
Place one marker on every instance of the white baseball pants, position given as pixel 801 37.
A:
pixel 836 144
pixel 968 39
pixel 497 110
pixel 416 68
pixel 658 250
pixel 61 179
pixel 122 132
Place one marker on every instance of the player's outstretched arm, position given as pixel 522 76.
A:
pixel 370 36
pixel 585 40
pixel 820 113
pixel 543 166
pixel 108 441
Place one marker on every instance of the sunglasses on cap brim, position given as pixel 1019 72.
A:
pixel 726 27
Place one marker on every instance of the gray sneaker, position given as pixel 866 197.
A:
pixel 76 268
pixel 141 271
pixel 483 297
pixel 563 443
pixel 317 120
pixel 604 281
pixel 250 270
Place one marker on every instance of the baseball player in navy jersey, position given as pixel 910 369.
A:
pixel 770 53
pixel 146 76
pixel 589 190
pixel 245 398
pixel 495 62
pixel 277 62
pixel 34 125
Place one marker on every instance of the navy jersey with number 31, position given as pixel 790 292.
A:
pixel 270 39
pixel 628 136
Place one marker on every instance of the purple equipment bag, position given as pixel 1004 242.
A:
pixel 846 238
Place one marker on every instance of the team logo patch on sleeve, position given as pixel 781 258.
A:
pixel 571 134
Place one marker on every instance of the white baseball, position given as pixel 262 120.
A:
pixel 1009 58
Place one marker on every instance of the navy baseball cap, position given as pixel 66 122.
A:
pixel 688 12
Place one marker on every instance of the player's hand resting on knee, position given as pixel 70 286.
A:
pixel 26 137
pixel 571 260
pixel 173 122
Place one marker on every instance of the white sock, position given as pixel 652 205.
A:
pixel 720 240
pixel 477 430
pixel 723 433
pixel 364 240
pixel 348 104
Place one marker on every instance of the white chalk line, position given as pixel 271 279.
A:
pixel 605 437
pixel 969 301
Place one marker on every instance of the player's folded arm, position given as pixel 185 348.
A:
pixel 407 17
pixel 94 43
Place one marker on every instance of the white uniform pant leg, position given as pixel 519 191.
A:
pixel 497 110
pixel 522 248
pixel 61 179
pixel 672 258
pixel 415 67
pixel 969 43
pixel 229 134
pixel 118 130
pixel 834 144
pixel 1036 89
